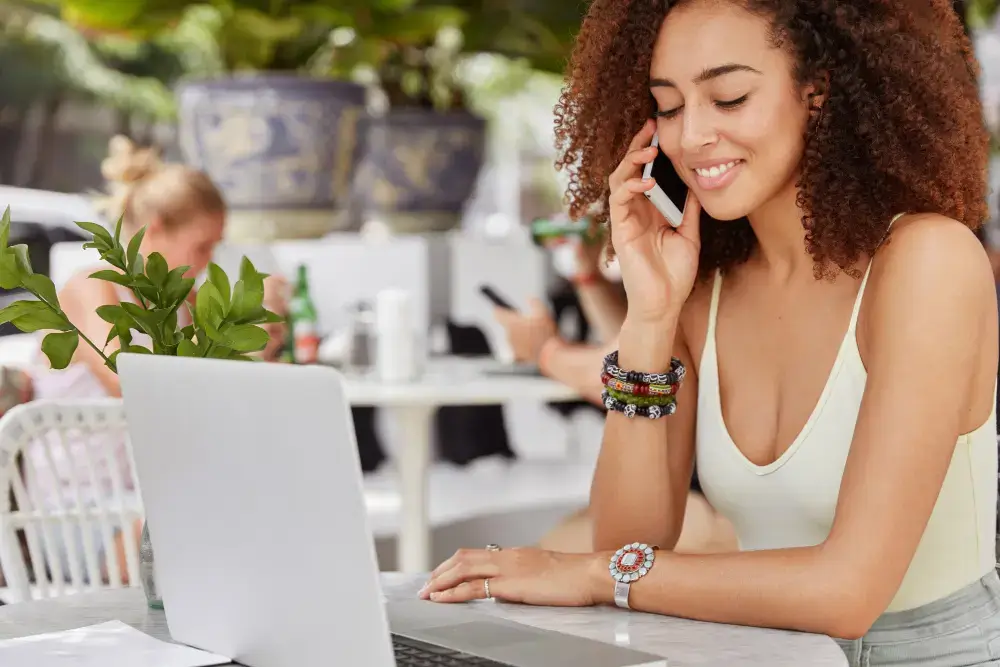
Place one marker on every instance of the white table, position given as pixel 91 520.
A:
pixel 684 643
pixel 445 382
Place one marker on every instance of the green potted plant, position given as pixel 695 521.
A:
pixel 278 137
pixel 225 317
pixel 424 152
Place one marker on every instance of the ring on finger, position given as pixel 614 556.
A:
pixel 486 585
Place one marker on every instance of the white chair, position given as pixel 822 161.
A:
pixel 86 442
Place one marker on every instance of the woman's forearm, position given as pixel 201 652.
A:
pixel 794 589
pixel 634 496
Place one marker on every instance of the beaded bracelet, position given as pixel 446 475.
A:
pixel 662 399
pixel 637 388
pixel 674 376
pixel 632 410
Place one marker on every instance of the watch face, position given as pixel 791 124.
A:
pixel 631 562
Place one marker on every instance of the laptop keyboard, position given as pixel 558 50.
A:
pixel 413 653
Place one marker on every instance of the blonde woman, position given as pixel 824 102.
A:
pixel 184 214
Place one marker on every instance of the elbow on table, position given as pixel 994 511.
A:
pixel 851 606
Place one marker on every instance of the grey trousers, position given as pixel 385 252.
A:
pixel 962 629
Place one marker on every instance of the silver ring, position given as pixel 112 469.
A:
pixel 493 547
pixel 486 585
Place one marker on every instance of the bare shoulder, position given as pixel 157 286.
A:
pixel 936 255
pixel 932 273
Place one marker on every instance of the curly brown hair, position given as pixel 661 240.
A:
pixel 901 128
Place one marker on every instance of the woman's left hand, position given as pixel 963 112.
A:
pixel 524 575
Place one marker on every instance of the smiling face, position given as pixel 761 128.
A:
pixel 730 115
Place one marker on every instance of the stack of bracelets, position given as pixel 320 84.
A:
pixel 652 395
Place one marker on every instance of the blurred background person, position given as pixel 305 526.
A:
pixel 183 214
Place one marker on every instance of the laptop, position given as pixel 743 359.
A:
pixel 252 487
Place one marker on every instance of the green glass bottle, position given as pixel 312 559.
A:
pixel 304 321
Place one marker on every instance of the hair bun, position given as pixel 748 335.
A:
pixel 127 163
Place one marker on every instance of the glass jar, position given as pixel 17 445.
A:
pixel 146 570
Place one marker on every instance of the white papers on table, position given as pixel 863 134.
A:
pixel 111 644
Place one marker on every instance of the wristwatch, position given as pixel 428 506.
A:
pixel 629 564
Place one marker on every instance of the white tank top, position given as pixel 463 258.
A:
pixel 791 502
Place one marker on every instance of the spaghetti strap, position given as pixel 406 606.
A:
pixel 713 309
pixel 864 280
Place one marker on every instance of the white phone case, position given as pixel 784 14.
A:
pixel 667 208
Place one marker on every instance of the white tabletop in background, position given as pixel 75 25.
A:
pixel 456 381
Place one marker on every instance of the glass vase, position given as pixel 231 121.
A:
pixel 147 571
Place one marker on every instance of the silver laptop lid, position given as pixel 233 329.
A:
pixel 250 477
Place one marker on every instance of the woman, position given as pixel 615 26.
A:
pixel 184 214
pixel 534 338
pixel 840 367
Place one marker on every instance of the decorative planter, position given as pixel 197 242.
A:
pixel 282 148
pixel 419 169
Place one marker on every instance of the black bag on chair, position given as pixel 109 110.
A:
pixel 369 447
pixel 468 432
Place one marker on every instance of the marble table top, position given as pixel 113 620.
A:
pixel 684 643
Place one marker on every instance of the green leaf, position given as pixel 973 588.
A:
pixel 187 349
pixel 111 314
pixel 208 309
pixel 146 320
pixel 10 272
pixel 179 293
pixel 219 278
pixel 249 273
pixel 112 361
pixel 4 229
pixel 247 301
pixel 41 286
pixel 115 332
pixel 188 331
pixel 137 349
pixel 267 317
pixel 123 329
pixel 170 323
pixel 23 260
pixel 219 353
pixel 145 287
pixel 132 254
pixel 246 338
pixel 113 277
pixel 31 316
pixel 115 257
pixel 97 231
pixel 21 307
pixel 118 229
pixel 176 287
pixel 60 347
pixel 156 269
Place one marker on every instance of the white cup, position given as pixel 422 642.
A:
pixel 395 340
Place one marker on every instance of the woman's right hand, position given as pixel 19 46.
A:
pixel 658 263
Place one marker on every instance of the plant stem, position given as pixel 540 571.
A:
pixel 58 311
pixel 107 360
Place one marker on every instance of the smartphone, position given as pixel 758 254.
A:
pixel 493 296
pixel 670 192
